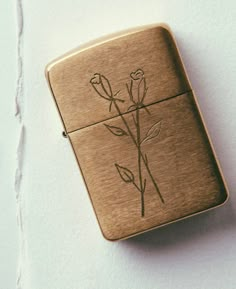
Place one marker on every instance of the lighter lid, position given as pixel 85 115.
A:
pixel 74 77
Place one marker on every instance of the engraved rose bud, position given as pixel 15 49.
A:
pixel 137 89
pixel 137 75
pixel 101 85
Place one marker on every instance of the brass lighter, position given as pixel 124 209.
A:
pixel 135 127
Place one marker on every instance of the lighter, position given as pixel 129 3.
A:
pixel 137 132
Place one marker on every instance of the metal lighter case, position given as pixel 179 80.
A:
pixel 136 130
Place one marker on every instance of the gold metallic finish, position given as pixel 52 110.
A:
pixel 135 127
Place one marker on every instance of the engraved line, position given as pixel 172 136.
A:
pixel 139 162
pixel 126 112
pixel 143 158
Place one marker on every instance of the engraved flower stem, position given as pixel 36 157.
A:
pixel 142 186
pixel 144 159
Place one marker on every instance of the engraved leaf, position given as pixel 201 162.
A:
pixel 125 174
pixel 116 130
pixel 153 132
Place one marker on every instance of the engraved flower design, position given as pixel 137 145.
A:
pixel 137 90
pixel 101 84
pixel 103 88
pixel 137 75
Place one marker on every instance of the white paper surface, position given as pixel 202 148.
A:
pixel 60 243
pixel 9 134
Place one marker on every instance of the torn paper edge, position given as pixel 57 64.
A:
pixel 19 84
pixel 19 206
pixel 19 105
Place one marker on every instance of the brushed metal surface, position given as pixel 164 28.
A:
pixel 180 159
pixel 152 49
pixel 137 132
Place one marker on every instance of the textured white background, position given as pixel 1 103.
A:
pixel 59 242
